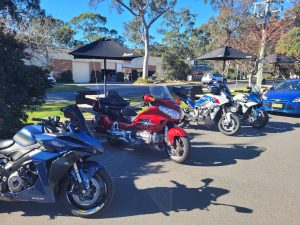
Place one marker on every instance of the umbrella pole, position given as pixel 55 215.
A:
pixel 224 65
pixel 105 94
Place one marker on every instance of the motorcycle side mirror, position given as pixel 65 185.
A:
pixel 149 98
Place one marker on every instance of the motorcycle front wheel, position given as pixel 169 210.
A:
pixel 229 128
pixel 98 197
pixel 180 150
pixel 261 121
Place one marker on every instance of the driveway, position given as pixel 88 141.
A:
pixel 250 179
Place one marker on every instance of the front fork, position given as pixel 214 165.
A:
pixel 227 116
pixel 81 178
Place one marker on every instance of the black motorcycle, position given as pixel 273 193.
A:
pixel 51 158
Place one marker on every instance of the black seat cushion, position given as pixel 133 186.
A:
pixel 6 143
pixel 116 101
pixel 128 111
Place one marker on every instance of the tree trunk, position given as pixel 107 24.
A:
pixel 146 55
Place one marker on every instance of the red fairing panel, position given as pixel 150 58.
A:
pixel 175 132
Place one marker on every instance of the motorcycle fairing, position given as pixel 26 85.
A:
pixel 26 136
pixel 175 132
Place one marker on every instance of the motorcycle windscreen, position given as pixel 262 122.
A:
pixel 76 117
pixel 160 92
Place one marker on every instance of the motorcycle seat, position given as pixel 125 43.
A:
pixel 6 143
pixel 128 114
pixel 116 101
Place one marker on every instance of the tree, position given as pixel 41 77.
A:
pixel 92 27
pixel 232 15
pixel 178 29
pixel 14 11
pixel 145 13
pixel 22 87
pixel 289 43
pixel 174 67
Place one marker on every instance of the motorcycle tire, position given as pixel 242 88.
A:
pixel 229 131
pixel 83 206
pixel 182 148
pixel 261 122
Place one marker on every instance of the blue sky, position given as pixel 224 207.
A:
pixel 66 9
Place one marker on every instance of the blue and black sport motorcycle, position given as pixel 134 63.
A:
pixel 51 159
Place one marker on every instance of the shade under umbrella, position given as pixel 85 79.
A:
pixel 226 53
pixel 279 59
pixel 104 49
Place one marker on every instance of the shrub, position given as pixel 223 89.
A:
pixel 22 87
pixel 140 80
pixel 99 75
pixel 174 67
pixel 120 77
pixel 65 77
pixel 135 75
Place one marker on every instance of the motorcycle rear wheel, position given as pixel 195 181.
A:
pixel 181 150
pixel 98 200
pixel 232 128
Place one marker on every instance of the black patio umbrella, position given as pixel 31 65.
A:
pixel 279 59
pixel 226 53
pixel 104 49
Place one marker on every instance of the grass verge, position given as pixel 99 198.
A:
pixel 65 88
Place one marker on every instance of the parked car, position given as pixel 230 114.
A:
pixel 285 97
pixel 211 77
pixel 51 79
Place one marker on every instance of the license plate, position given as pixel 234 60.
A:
pixel 276 105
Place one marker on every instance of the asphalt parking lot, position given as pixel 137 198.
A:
pixel 249 179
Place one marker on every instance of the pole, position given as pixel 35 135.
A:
pixel 259 75
pixel 105 94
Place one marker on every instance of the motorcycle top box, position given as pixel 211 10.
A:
pixel 155 126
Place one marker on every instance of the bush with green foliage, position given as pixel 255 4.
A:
pixel 174 67
pixel 99 76
pixel 22 87
pixel 120 77
pixel 65 77
pixel 135 75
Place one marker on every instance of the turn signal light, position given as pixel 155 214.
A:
pixel 178 101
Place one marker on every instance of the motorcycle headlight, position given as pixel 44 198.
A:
pixel 172 113
pixel 296 100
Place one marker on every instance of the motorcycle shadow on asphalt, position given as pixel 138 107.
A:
pixel 273 127
pixel 222 155
pixel 166 200
pixel 126 168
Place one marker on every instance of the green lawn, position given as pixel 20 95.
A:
pixel 53 109
pixel 48 109
pixel 66 87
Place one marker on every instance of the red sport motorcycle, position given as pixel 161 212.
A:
pixel 155 126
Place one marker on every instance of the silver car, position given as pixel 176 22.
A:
pixel 51 79
pixel 211 77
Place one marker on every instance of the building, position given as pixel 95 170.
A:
pixel 59 61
